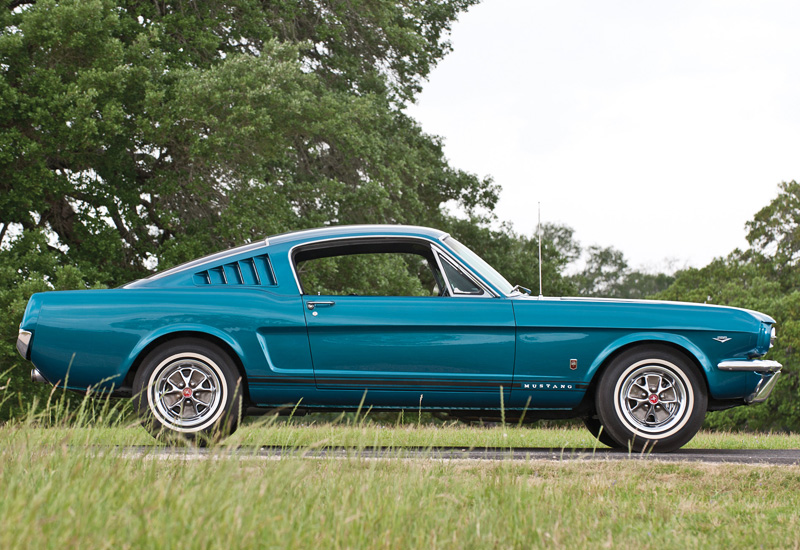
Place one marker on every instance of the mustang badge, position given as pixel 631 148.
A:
pixel 721 339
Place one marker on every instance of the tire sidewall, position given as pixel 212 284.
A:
pixel 224 418
pixel 598 431
pixel 610 407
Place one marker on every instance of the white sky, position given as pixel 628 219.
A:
pixel 658 128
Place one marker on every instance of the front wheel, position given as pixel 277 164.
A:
pixel 597 430
pixel 190 389
pixel 651 398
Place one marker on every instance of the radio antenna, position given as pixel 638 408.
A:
pixel 540 250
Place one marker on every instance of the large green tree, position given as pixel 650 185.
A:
pixel 138 133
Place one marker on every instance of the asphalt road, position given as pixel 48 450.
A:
pixel 753 456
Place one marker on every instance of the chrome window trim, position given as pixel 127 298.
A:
pixel 436 249
pixel 488 281
pixel 468 272
pixel 284 238
pixel 291 252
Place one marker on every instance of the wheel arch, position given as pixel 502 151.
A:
pixel 227 345
pixel 671 342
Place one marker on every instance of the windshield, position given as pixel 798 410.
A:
pixel 478 264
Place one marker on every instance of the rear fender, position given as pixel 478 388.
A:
pixel 181 328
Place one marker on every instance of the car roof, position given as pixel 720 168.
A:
pixel 298 237
pixel 355 231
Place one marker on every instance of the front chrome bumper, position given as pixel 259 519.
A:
pixel 770 371
pixel 763 388
pixel 757 365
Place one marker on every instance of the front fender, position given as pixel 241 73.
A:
pixel 651 337
pixel 720 384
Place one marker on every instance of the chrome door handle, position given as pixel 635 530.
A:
pixel 312 305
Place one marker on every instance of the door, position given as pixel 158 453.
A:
pixel 411 343
pixel 382 317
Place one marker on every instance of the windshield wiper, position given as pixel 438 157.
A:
pixel 518 288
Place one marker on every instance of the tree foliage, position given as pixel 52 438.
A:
pixel 138 133
pixel 762 278
pixel 606 274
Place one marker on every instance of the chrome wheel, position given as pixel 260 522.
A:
pixel 651 397
pixel 654 398
pixel 186 392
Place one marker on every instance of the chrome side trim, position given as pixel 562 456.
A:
pixel 24 342
pixel 763 389
pixel 266 241
pixel 757 365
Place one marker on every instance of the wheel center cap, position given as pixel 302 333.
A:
pixel 187 392
pixel 653 398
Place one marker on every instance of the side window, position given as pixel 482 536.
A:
pixel 460 282
pixel 387 269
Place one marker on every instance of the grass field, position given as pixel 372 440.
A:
pixel 70 487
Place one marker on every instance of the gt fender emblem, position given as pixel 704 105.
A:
pixel 721 339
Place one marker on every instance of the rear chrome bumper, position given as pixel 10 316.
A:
pixel 37 376
pixel 23 342
pixel 770 371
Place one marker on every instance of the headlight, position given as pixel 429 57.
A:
pixel 772 337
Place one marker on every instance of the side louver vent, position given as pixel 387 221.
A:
pixel 256 271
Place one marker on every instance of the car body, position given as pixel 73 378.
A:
pixel 280 324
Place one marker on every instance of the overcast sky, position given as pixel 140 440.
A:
pixel 658 128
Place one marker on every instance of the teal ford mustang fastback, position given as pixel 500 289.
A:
pixel 393 318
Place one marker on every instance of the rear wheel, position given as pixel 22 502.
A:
pixel 651 398
pixel 190 389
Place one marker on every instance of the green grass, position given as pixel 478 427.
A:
pixel 72 488
pixel 458 435
pixel 299 433
pixel 68 482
